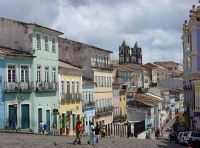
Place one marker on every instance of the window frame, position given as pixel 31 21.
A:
pixel 28 65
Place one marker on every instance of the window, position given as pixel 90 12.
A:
pixel 24 73
pixel 107 82
pixel 38 73
pixel 104 81
pixel 53 45
pixel 77 87
pixel 68 87
pixel 38 38
pixel 46 74
pixel 11 73
pixel 96 81
pixel 99 81
pixel 46 39
pixel 54 74
pixel 73 88
pixel 62 87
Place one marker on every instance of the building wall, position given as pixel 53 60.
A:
pixel 45 100
pixel 18 97
pixel 123 104
pixel 2 72
pixel 14 34
pixel 75 107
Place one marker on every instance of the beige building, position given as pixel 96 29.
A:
pixel 96 64
pixel 158 73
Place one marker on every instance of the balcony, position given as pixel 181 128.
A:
pixel 19 86
pixel 119 118
pixel 71 97
pixel 46 86
pixel 101 65
pixel 104 110
pixel 89 104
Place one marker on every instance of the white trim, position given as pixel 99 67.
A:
pixel 28 72
pixel 16 68
pixel 36 32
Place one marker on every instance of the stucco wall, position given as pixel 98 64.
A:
pixel 15 35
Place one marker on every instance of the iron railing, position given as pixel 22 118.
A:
pixel 104 110
pixel 71 97
pixel 88 104
pixel 46 86
pixel 119 118
pixel 19 86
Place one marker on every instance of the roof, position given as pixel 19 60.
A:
pixel 4 51
pixel 68 66
pixel 165 62
pixel 155 66
pixel 34 24
pixel 148 99
pixel 88 45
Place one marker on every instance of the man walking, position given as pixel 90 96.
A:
pixel 97 132
pixel 92 133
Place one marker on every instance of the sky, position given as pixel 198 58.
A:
pixel 155 24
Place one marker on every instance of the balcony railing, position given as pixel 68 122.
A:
pixel 46 86
pixel 119 118
pixel 101 65
pixel 88 104
pixel 71 97
pixel 104 110
pixel 19 86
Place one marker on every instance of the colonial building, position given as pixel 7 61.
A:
pixel 191 60
pixel 18 88
pixel 88 104
pixel 130 55
pixel 158 73
pixel 70 92
pixel 2 72
pixel 42 43
pixel 96 64
pixel 175 69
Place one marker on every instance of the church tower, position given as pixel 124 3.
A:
pixel 124 53
pixel 136 54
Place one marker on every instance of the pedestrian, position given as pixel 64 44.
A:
pixel 97 132
pixel 41 127
pixel 78 133
pixel 15 125
pixel 53 128
pixel 92 133
pixel 45 127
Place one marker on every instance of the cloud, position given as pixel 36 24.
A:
pixel 156 25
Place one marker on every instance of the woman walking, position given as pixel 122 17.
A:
pixel 78 133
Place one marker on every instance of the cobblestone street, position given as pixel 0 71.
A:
pixel 13 140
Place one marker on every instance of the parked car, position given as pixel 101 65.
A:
pixel 173 136
pixel 183 138
pixel 193 138
pixel 179 137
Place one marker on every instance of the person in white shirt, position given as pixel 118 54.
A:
pixel 92 133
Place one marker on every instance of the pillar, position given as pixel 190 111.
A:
pixel 71 124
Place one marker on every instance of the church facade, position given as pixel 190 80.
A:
pixel 130 55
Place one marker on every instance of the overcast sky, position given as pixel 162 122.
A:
pixel 155 24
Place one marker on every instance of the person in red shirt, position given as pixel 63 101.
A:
pixel 78 133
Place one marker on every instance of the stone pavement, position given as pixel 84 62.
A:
pixel 16 140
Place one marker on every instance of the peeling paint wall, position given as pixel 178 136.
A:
pixel 15 35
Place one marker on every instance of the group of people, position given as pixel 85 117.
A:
pixel 43 128
pixel 94 133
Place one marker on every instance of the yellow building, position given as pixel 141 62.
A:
pixel 70 92
pixel 103 96
pixel 123 103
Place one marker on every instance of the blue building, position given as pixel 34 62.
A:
pixel 2 72
pixel 88 104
